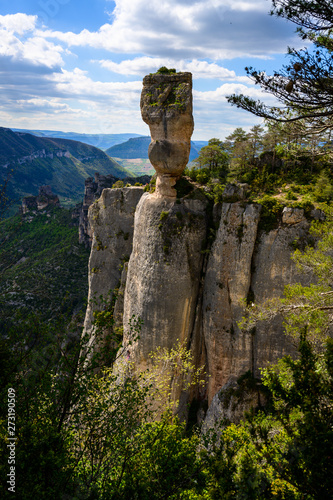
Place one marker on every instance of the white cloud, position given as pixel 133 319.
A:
pixel 33 50
pixel 143 65
pixel 228 89
pixel 215 29
pixel 77 83
pixel 41 52
pixel 41 91
pixel 18 23
pixel 43 105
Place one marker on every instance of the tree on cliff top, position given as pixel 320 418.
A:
pixel 305 86
pixel 213 156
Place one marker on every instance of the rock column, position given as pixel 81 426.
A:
pixel 166 106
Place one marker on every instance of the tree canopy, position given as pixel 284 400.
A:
pixel 213 156
pixel 305 85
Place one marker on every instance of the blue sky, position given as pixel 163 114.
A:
pixel 77 65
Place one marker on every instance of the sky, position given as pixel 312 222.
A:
pixel 78 65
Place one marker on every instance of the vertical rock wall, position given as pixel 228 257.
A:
pixel 164 272
pixel 226 285
pixel 111 218
pixel 180 294
pixel 273 269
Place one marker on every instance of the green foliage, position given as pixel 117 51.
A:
pixel 165 71
pixel 210 169
pixel 42 267
pixel 323 188
pixel 150 188
pixel 285 453
pixel 118 184
pixel 290 195
pixel 168 467
pixel 304 86
pixel 85 431
pixel 270 213
pixel 214 158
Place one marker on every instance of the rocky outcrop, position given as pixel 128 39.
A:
pixel 182 292
pixel 111 219
pixel 93 188
pixel 44 199
pixel 92 191
pixel 164 272
pixel 181 284
pixel 227 284
pixel 232 400
pixel 166 106
pixel 272 270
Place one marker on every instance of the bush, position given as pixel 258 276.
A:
pixel 118 184
pixel 323 188
pixel 270 213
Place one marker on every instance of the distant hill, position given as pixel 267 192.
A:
pixel 137 147
pixel 32 161
pixel 101 141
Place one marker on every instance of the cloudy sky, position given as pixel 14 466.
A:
pixel 77 65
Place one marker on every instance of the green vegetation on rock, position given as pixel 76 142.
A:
pixel 163 70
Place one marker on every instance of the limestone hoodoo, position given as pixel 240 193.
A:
pixel 166 106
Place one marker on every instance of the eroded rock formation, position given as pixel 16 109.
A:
pixel 227 284
pixel 164 272
pixel 93 188
pixel 166 106
pixel 182 282
pixel 182 292
pixel 44 199
pixel 111 219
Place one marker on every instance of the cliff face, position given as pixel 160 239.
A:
pixel 182 292
pixel 93 188
pixel 164 272
pixel 111 219
pixel 227 283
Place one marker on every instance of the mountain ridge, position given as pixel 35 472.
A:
pixel 101 141
pixel 29 161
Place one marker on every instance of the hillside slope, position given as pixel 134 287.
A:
pixel 32 161
pixel 101 141
pixel 43 269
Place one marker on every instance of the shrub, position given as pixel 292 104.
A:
pixel 270 213
pixel 118 184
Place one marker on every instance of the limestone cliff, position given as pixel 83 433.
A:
pixel 164 272
pixel 180 283
pixel 111 219
pixel 182 290
pixel 93 188
pixel 227 283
